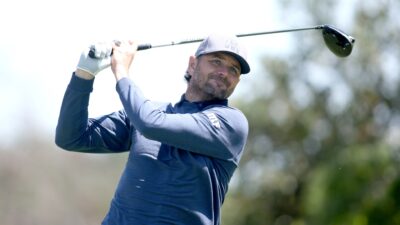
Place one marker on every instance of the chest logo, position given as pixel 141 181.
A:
pixel 214 120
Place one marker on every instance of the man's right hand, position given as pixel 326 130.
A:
pixel 102 59
pixel 122 58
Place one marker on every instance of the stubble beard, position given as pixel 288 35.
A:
pixel 213 88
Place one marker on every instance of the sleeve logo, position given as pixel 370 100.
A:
pixel 213 119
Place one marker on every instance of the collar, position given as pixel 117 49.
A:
pixel 202 104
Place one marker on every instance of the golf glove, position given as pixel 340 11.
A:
pixel 99 58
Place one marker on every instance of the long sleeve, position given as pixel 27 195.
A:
pixel 76 132
pixel 218 132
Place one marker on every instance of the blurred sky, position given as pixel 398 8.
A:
pixel 42 40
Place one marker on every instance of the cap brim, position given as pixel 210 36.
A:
pixel 245 67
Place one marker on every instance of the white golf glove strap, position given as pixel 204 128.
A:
pixel 102 58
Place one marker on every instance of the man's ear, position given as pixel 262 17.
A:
pixel 192 65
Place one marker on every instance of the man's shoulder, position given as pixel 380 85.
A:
pixel 224 109
pixel 227 113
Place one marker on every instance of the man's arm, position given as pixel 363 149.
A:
pixel 219 132
pixel 76 132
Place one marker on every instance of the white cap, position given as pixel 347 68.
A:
pixel 227 44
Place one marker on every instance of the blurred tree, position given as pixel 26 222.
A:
pixel 41 184
pixel 358 186
pixel 324 141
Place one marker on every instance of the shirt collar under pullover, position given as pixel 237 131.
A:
pixel 185 104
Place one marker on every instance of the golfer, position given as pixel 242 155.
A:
pixel 181 156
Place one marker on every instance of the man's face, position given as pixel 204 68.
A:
pixel 214 76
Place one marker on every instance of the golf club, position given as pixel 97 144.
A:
pixel 336 40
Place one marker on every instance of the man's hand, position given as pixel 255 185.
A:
pixel 101 60
pixel 123 54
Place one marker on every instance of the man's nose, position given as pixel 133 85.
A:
pixel 223 70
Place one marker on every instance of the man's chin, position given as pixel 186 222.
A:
pixel 217 90
pixel 220 95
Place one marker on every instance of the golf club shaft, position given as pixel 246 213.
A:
pixel 337 41
pixel 188 41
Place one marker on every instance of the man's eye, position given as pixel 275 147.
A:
pixel 216 62
pixel 234 71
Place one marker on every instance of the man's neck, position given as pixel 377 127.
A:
pixel 193 97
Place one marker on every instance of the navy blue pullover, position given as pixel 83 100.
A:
pixel 181 157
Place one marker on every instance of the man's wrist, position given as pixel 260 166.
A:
pixel 120 72
pixel 83 74
pixel 119 76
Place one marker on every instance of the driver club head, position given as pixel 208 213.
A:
pixel 337 41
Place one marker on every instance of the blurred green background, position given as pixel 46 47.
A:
pixel 323 148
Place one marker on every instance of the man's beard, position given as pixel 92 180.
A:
pixel 217 90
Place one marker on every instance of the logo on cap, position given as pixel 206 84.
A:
pixel 232 45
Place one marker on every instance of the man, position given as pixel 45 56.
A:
pixel 182 156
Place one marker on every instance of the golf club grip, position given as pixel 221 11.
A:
pixel 140 47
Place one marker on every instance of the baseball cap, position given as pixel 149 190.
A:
pixel 225 43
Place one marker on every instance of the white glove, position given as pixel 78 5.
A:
pixel 102 58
